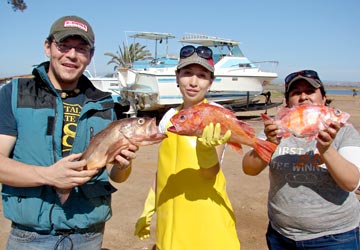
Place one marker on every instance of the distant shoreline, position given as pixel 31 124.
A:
pixel 280 87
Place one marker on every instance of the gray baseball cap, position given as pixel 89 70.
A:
pixel 316 83
pixel 195 59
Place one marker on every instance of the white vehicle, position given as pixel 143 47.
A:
pixel 151 85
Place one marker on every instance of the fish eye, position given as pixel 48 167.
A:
pixel 337 112
pixel 182 117
pixel 141 121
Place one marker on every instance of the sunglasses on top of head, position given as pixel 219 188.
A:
pixel 202 51
pixel 305 73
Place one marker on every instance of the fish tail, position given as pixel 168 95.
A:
pixel 265 149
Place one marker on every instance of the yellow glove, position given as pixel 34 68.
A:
pixel 205 145
pixel 211 137
pixel 142 227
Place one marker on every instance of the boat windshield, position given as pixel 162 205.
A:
pixel 219 51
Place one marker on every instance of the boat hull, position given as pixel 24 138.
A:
pixel 159 91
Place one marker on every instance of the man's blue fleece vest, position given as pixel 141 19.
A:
pixel 38 111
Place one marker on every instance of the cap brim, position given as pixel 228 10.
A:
pixel 195 59
pixel 60 36
pixel 315 83
pixel 208 67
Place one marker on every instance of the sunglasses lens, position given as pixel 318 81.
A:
pixel 304 73
pixel 204 52
pixel 310 74
pixel 187 51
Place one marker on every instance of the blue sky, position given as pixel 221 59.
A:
pixel 301 34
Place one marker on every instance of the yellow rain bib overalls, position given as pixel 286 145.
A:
pixel 193 212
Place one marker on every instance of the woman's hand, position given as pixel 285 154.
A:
pixel 271 132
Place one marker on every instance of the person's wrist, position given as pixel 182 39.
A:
pixel 207 156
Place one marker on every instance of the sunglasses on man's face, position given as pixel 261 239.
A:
pixel 202 51
pixel 65 48
pixel 305 73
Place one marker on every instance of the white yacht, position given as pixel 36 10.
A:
pixel 150 85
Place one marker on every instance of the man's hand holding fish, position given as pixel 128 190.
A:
pixel 120 170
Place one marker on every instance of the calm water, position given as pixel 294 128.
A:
pixel 340 92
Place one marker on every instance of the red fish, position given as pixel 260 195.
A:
pixel 306 120
pixel 117 136
pixel 192 121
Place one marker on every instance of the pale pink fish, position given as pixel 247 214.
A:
pixel 117 136
pixel 306 120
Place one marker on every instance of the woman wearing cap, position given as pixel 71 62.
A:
pixel 312 207
pixel 193 209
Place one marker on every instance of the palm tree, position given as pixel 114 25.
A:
pixel 126 56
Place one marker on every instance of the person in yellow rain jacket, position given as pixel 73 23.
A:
pixel 192 205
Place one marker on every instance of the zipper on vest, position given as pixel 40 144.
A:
pixel 91 132
pixel 53 137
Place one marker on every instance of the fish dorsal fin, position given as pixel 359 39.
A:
pixel 265 117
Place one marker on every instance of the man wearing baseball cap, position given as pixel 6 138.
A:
pixel 45 123
pixel 69 26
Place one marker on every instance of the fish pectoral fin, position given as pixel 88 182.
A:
pixel 323 124
pixel 114 150
pixel 283 133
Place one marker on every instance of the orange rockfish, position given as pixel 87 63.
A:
pixel 192 121
pixel 117 136
pixel 306 120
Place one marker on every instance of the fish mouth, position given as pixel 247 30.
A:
pixel 153 131
pixel 172 129
pixel 158 137
pixel 152 139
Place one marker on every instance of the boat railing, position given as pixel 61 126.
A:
pixel 212 40
pixel 270 65
pixel 257 66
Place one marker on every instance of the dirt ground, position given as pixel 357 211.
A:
pixel 247 194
